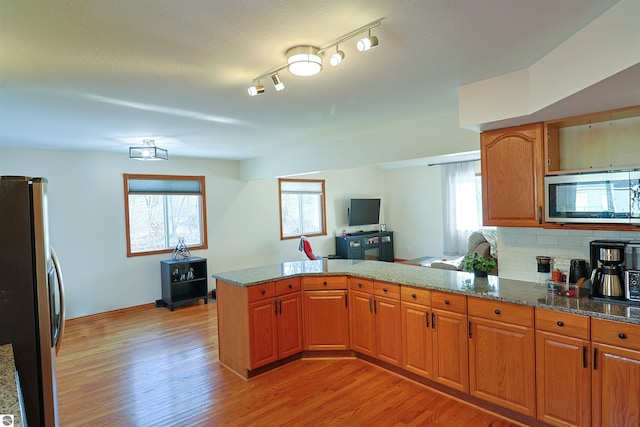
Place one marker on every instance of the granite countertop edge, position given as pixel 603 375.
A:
pixel 496 288
pixel 9 397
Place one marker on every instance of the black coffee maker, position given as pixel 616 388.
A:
pixel 607 276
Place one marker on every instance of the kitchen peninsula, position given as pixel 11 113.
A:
pixel 498 341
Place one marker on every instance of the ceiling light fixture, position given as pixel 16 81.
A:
pixel 306 60
pixel 336 58
pixel 148 151
pixel 277 83
pixel 367 43
pixel 256 89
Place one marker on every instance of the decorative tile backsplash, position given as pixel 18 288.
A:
pixel 518 247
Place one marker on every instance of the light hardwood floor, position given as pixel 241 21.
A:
pixel 152 367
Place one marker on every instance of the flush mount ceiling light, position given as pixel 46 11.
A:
pixel 306 60
pixel 148 151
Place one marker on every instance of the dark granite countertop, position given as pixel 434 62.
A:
pixel 9 397
pixel 515 291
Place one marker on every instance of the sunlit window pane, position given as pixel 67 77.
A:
pixel 302 207
pixel 160 213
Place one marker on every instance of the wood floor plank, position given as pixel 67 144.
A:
pixel 154 367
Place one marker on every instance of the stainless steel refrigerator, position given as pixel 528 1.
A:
pixel 31 295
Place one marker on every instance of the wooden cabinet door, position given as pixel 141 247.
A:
pixel 263 333
pixel 326 320
pixel 563 371
pixel 362 323
pixel 615 397
pixel 417 340
pixel 388 330
pixel 450 349
pixel 512 163
pixel 502 364
pixel 289 325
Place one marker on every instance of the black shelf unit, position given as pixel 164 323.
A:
pixel 373 246
pixel 183 281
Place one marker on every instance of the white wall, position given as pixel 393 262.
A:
pixel 413 210
pixel 87 228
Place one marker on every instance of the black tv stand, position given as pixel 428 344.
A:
pixel 370 245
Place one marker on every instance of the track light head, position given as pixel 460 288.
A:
pixel 277 83
pixel 256 90
pixel 367 43
pixel 336 58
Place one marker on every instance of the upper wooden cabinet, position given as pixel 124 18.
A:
pixel 512 162
pixel 593 142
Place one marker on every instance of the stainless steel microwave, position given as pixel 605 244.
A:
pixel 605 197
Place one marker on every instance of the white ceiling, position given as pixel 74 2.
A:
pixel 104 74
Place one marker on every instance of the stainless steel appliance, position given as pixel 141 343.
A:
pixel 632 271
pixel 607 276
pixel 31 294
pixel 605 197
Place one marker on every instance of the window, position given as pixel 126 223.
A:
pixel 159 209
pixel 302 209
pixel 462 205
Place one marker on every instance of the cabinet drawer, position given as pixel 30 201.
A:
pixel 416 295
pixel 615 333
pixel 386 289
pixel 570 325
pixel 502 311
pixel 451 302
pixel 363 285
pixel 287 286
pixel 260 292
pixel 324 283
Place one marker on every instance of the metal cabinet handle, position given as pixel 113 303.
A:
pixel 622 336
pixel 496 311
pixel 414 296
pixel 584 356
pixel 433 320
pixel 263 292
pixel 446 302
pixel 290 286
pixel 280 306
pixel 359 285
pixel 426 318
pixel 324 283
pixel 384 290
pixel 560 323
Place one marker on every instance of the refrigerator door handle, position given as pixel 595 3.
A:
pixel 60 326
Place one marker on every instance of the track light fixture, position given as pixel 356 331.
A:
pixel 336 58
pixel 306 60
pixel 277 83
pixel 367 43
pixel 256 89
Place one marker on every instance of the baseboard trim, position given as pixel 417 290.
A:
pixel 111 313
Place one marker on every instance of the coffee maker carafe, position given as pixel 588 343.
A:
pixel 606 278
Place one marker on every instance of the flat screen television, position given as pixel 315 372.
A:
pixel 364 211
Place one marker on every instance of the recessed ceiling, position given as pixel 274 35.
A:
pixel 100 75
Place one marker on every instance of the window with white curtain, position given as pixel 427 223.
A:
pixel 462 205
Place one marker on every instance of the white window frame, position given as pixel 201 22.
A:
pixel 166 192
pixel 301 187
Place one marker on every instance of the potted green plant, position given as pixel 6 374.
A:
pixel 478 265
